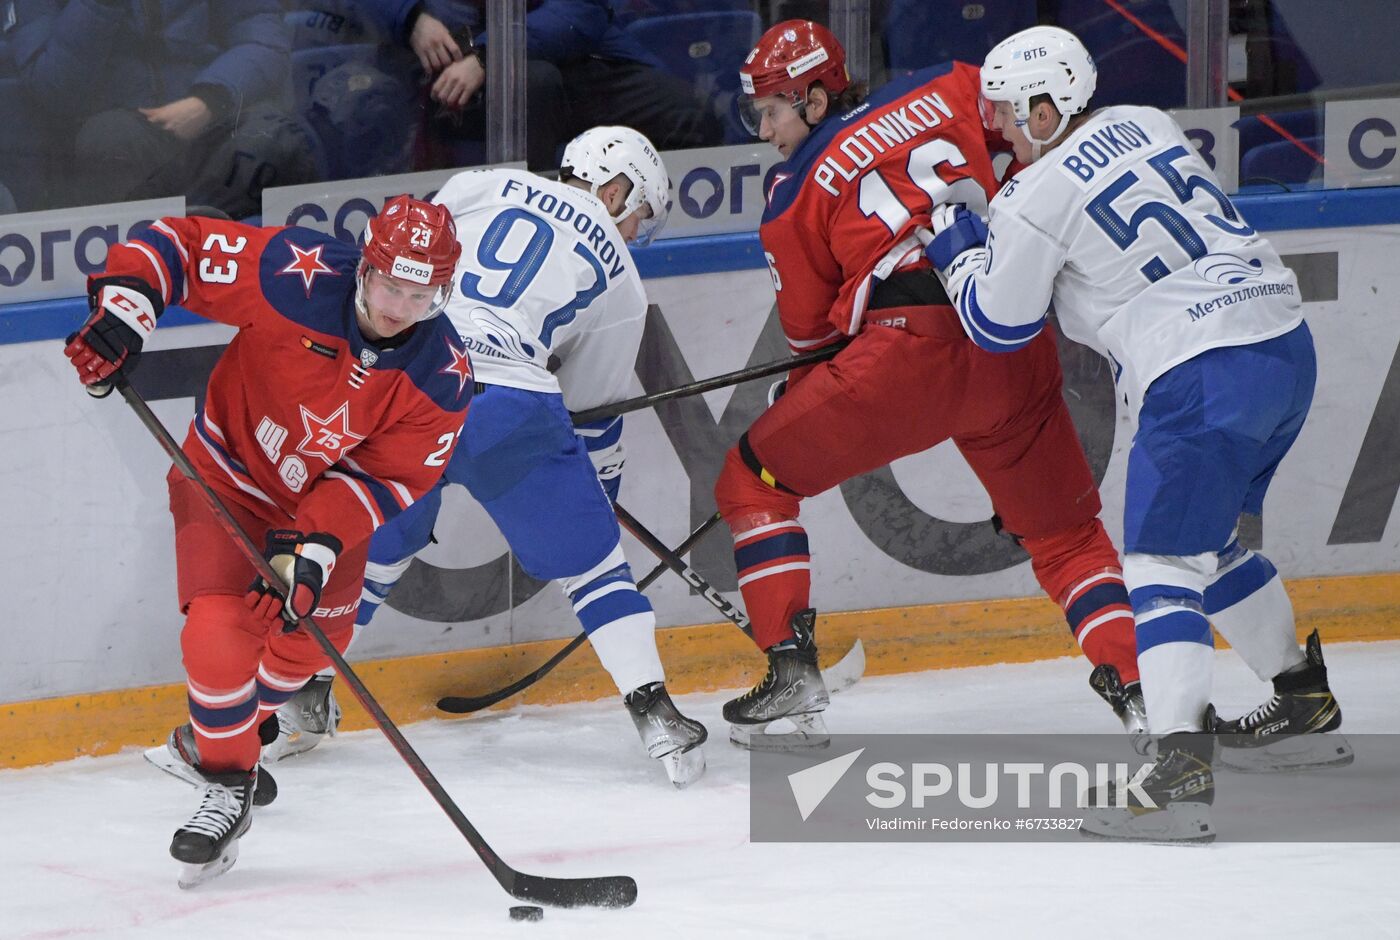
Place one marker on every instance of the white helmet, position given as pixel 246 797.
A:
pixel 599 154
pixel 1042 60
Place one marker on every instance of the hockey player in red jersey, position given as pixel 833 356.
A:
pixel 336 405
pixel 841 231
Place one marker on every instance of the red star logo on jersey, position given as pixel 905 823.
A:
pixel 308 264
pixel 460 367
pixel 330 437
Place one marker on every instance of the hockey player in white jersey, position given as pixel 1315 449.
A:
pixel 551 308
pixel 1121 224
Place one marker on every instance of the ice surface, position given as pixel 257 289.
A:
pixel 354 847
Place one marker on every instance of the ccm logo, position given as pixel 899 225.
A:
pixel 410 270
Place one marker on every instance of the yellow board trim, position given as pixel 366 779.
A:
pixel 702 658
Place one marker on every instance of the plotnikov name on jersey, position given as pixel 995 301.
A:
pixel 547 203
pixel 875 137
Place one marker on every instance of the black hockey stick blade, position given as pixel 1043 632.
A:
pixel 605 891
pixel 465 704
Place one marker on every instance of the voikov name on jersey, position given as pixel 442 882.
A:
pixel 894 127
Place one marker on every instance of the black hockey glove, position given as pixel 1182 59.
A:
pixel 304 564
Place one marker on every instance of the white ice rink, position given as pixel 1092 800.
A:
pixel 354 847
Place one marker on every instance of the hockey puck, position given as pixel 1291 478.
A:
pixel 527 912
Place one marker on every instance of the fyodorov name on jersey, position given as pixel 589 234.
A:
pixel 886 132
pixel 547 203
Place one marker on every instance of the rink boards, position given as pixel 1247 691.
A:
pixel 903 557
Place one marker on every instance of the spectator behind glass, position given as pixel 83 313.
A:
pixel 151 98
pixel 582 70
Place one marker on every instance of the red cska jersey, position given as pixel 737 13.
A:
pixel 841 212
pixel 305 422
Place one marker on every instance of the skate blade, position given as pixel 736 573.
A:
pixel 290 745
pixel 1295 753
pixel 808 733
pixel 847 672
pixel 1177 824
pixel 684 767
pixel 163 759
pixel 192 876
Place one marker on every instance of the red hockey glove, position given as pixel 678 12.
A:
pixel 124 313
pixel 304 564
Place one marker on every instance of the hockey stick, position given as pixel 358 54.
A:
pixel 465 704
pixel 611 891
pixel 708 385
pixel 843 675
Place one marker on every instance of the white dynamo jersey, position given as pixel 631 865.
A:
pixel 1149 260
pixel 544 277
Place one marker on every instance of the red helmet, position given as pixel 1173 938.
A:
pixel 413 240
pixel 790 58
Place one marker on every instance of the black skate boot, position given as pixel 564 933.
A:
pixel 1166 801
pixel 1272 737
pixel 208 843
pixel 668 736
pixel 792 689
pixel 179 757
pixel 1126 702
pixel 305 719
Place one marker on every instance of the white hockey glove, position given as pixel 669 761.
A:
pixel 958 248
pixel 603 441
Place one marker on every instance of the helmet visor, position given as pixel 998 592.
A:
pixel 753 111
pixel 988 109
pixel 649 225
pixel 394 302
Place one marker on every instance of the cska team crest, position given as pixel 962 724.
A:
pixel 329 437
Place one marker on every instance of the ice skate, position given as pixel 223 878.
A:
pixel 1168 801
pixel 304 720
pixel 1288 732
pixel 668 736
pixel 792 693
pixel 179 757
pixel 1126 702
pixel 208 843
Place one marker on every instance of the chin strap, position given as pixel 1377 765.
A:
pixel 1038 145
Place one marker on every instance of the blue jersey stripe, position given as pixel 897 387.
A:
pixel 783 545
pixel 1239 584
pixel 384 497
pixel 163 246
pixel 1000 338
pixel 1151 597
pixel 213 442
pixel 600 435
pixel 1182 626
pixel 226 716
pixel 1095 600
